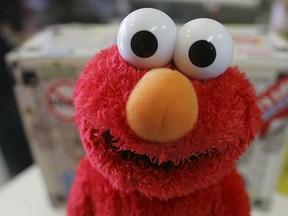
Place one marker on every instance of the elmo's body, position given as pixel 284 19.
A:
pixel 95 195
pixel 159 142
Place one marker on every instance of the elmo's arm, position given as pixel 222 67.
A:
pixel 234 199
pixel 79 203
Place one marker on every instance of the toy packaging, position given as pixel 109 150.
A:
pixel 163 118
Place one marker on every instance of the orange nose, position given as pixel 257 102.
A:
pixel 163 106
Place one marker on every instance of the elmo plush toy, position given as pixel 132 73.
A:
pixel 163 118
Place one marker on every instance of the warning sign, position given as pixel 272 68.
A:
pixel 59 99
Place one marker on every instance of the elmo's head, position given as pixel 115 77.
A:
pixel 162 112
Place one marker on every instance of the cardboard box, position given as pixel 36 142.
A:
pixel 45 68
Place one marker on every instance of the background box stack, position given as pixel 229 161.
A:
pixel 45 68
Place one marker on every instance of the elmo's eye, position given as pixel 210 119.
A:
pixel 146 38
pixel 204 49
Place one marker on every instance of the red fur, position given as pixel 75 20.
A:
pixel 104 200
pixel 110 183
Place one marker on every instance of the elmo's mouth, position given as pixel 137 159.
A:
pixel 144 160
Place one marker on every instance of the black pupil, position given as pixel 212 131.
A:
pixel 202 53
pixel 144 44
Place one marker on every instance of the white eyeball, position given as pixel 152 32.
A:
pixel 204 49
pixel 146 38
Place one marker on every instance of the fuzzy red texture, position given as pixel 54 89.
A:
pixel 107 184
pixel 93 195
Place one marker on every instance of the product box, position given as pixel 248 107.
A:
pixel 263 56
pixel 45 69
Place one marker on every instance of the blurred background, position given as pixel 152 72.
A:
pixel 20 20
